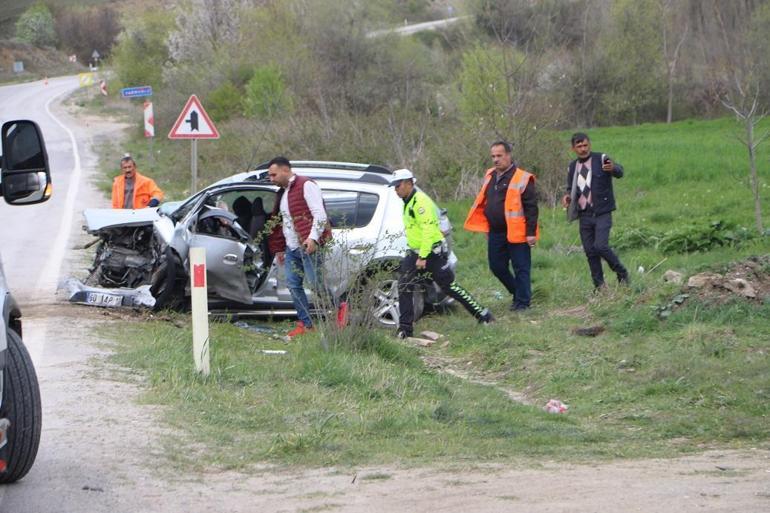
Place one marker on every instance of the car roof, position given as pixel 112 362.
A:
pixel 327 170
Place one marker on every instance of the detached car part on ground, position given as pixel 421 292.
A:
pixel 230 219
pixel 25 180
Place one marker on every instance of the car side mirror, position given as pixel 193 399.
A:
pixel 25 178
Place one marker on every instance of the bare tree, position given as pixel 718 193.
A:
pixel 745 105
pixel 742 96
pixel 671 56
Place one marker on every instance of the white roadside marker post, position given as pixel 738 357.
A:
pixel 200 309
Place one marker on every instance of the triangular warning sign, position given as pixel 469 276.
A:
pixel 193 123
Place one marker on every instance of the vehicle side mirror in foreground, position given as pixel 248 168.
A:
pixel 25 177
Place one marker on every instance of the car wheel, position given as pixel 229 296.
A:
pixel 21 406
pixel 385 301
pixel 168 283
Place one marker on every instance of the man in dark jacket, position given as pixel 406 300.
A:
pixel 590 199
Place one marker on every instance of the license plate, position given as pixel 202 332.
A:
pixel 102 299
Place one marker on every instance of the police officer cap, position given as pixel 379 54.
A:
pixel 401 174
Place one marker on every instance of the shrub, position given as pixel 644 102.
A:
pixel 265 93
pixel 224 102
pixel 35 26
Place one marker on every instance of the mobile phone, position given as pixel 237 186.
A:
pixel 605 158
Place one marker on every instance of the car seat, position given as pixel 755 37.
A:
pixel 257 228
pixel 258 218
pixel 242 210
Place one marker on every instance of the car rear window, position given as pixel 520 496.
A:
pixel 350 209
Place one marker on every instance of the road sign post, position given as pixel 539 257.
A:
pixel 193 123
pixel 136 92
pixel 200 310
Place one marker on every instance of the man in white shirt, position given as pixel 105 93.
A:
pixel 304 229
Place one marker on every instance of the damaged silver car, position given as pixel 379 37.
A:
pixel 141 251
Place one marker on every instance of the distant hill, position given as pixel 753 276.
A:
pixel 10 10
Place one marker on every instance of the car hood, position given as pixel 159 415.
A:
pixel 101 218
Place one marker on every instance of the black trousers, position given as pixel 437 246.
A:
pixel 437 269
pixel 595 236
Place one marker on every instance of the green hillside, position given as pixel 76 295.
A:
pixel 10 10
pixel 667 373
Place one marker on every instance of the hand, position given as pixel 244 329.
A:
pixel 310 246
pixel 281 257
pixel 420 264
pixel 608 166
pixel 531 241
pixel 566 200
pixel 153 202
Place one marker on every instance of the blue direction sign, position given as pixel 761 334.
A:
pixel 136 92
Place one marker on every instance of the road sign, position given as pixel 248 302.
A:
pixel 86 79
pixel 149 120
pixel 136 92
pixel 193 123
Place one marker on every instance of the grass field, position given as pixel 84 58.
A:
pixel 645 386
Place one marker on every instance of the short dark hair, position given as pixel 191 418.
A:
pixel 508 147
pixel 579 136
pixel 280 161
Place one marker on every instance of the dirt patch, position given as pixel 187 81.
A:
pixel 748 279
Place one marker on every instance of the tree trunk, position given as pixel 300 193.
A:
pixel 670 96
pixel 753 176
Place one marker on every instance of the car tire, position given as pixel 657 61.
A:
pixel 168 283
pixel 21 406
pixel 385 295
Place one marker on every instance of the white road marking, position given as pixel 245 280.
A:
pixel 48 279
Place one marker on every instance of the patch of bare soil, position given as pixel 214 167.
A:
pixel 749 279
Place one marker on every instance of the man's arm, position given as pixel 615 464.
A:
pixel 427 220
pixel 156 194
pixel 531 210
pixel 117 196
pixel 565 201
pixel 314 200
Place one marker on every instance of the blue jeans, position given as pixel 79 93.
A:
pixel 300 266
pixel 500 254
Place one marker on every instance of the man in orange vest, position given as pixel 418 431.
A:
pixel 132 189
pixel 506 210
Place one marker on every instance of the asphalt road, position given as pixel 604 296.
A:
pixel 36 246
pixel 33 238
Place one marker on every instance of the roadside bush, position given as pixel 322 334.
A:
pixel 83 30
pixel 265 94
pixel 703 238
pixel 141 50
pixel 35 26
pixel 224 102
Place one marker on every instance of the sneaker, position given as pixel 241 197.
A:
pixel 623 278
pixel 299 330
pixel 487 318
pixel 519 308
pixel 342 315
pixel 402 333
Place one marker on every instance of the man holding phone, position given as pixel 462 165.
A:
pixel 590 199
pixel 296 242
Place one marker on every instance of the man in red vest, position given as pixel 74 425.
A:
pixel 506 210
pixel 297 241
pixel 132 189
